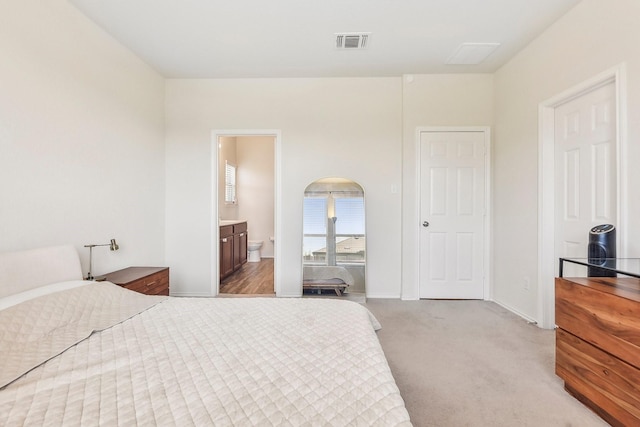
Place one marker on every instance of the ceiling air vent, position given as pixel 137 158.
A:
pixel 352 40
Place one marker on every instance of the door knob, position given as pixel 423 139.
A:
pixel 425 223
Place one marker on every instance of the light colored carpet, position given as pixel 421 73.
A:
pixel 473 363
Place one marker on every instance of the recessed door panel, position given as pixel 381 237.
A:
pixel 572 185
pixel 602 185
pixel 465 191
pixel 465 257
pixel 438 203
pixel 438 256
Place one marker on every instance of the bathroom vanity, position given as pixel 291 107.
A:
pixel 233 246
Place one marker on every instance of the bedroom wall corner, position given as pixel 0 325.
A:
pixel 81 137
pixel 577 47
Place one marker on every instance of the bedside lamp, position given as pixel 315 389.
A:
pixel 112 246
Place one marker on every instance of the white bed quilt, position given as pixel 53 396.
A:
pixel 217 361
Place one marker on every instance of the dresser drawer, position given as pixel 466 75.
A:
pixel 600 316
pixel 146 280
pixel 226 231
pixel 240 228
pixel 155 284
pixel 600 378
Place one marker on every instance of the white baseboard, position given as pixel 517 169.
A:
pixel 190 294
pixel 383 296
pixel 516 312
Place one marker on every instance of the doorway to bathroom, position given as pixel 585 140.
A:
pixel 245 197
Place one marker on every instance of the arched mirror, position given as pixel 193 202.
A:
pixel 334 239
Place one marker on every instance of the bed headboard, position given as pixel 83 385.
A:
pixel 25 270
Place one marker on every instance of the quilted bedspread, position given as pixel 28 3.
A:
pixel 210 361
pixel 35 331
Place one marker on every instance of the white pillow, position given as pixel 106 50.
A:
pixel 15 299
pixel 30 269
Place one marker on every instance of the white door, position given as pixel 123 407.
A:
pixel 585 175
pixel 452 212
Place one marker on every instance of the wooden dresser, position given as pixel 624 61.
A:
pixel 598 344
pixel 146 280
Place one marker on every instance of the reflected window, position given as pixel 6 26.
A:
pixel 334 223
pixel 315 229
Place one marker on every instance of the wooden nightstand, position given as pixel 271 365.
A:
pixel 146 280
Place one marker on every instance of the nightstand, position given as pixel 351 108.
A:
pixel 146 280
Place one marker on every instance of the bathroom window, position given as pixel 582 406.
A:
pixel 229 183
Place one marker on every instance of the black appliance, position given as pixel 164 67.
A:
pixel 602 250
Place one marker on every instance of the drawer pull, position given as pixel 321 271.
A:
pixel 224 240
pixel 241 234
pixel 151 283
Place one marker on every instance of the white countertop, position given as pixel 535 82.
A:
pixel 224 222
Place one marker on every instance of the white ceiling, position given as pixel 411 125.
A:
pixel 295 38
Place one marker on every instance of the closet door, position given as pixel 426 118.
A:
pixel 452 214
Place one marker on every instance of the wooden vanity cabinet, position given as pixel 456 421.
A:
pixel 233 248
pixel 226 251
pixel 239 245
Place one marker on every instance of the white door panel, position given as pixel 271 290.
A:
pixel 585 134
pixel 452 203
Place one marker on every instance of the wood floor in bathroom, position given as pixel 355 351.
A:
pixel 253 278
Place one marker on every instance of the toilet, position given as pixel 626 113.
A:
pixel 253 250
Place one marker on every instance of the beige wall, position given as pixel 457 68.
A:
pixel 81 138
pixel 348 127
pixel 434 100
pixel 354 128
pixel 82 131
pixel 590 39
pixel 256 188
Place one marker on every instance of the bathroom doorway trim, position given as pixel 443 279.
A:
pixel 215 235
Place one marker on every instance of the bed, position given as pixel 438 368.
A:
pixel 92 353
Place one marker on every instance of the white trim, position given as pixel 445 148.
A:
pixel 190 294
pixel 215 235
pixel 383 296
pixel 486 130
pixel 516 312
pixel 296 295
pixel 546 183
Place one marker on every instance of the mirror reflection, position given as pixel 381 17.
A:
pixel 334 239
